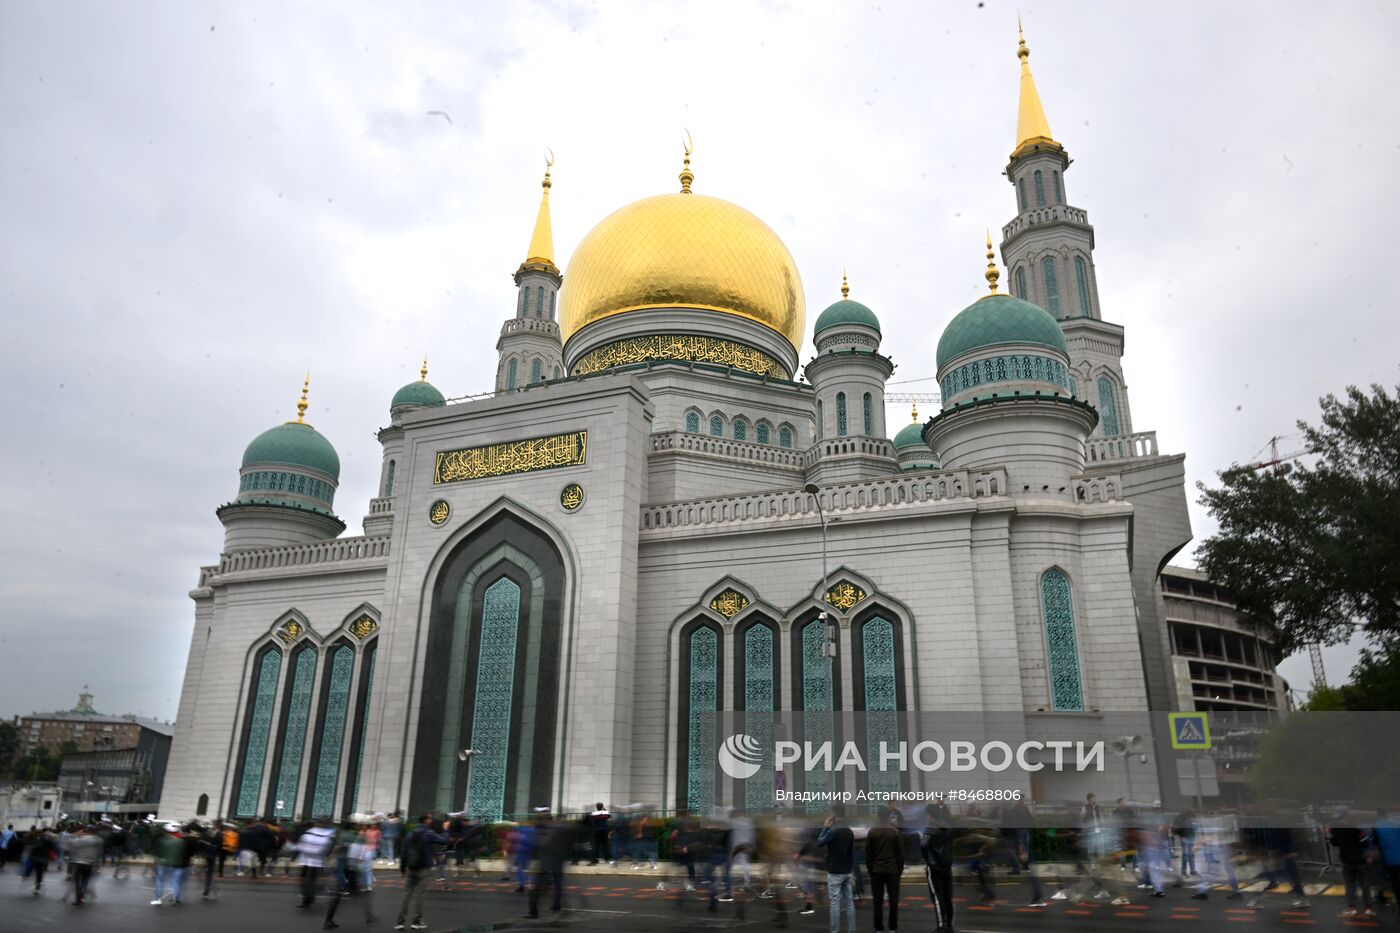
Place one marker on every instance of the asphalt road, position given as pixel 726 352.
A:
pixel 618 904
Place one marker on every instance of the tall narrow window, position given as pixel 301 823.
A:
pixel 202 808
pixel 366 694
pixel 389 480
pixel 1108 406
pixel 841 414
pixel 1055 180
pixel 551 295
pixel 1081 280
pixel 881 697
pixel 869 411
pixel 294 720
pixel 716 426
pixel 539 301
pixel 700 730
pixel 692 422
pixel 1021 188
pixel 763 433
pixel 264 697
pixel 818 676
pixel 1073 387
pixel 510 375
pixel 1052 285
pixel 785 436
pixel 1039 189
pixel 1021 283
pixel 337 702
pixel 1066 688
pixel 556 372
pixel 760 678
pixel 741 429
pixel 495 687
pixel 535 371
pixel 821 419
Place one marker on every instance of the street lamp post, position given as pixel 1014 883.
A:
pixel 467 754
pixel 829 649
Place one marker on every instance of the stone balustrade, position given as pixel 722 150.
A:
pixel 1044 215
pixel 381 505
pixel 1098 488
pixel 858 445
pixel 336 550
pixel 724 447
pixel 1121 447
pixel 520 325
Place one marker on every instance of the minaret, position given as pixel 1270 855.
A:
pixel 1048 250
pixel 529 346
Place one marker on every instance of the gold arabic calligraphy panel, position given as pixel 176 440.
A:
pixel 536 453
pixel 729 603
pixel 683 347
pixel 844 595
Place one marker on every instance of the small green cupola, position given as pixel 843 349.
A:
pixel 846 323
pixel 420 394
pixel 909 446
pixel 295 444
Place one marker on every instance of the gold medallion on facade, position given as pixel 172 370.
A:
pixel 571 497
pixel 729 603
pixel 844 595
pixel 363 627
pixel 438 512
pixel 289 632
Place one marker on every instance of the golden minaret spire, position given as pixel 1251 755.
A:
pixel 845 287
pixel 914 412
pixel 302 403
pixel 992 274
pixel 423 373
pixel 687 176
pixel 542 240
pixel 1031 126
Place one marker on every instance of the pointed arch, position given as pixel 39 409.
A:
pixel 741 428
pixel 785 435
pixel 763 431
pixel 290 747
pixel 512 373
pixel 257 729
pixel 1061 641
pixel 1039 189
pixel 1052 285
pixel 692 420
pixel 1108 405
pixel 702 675
pixel 323 770
pixel 536 371
pixel 1081 281
pixel 877 658
pixel 716 424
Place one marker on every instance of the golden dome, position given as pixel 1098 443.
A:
pixel 683 250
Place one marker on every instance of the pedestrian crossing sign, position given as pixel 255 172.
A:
pixel 1190 731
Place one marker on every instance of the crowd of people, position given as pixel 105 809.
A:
pixel 788 860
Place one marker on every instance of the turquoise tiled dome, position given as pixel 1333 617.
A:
pixel 911 435
pixel 417 393
pixel 996 320
pixel 846 311
pixel 293 444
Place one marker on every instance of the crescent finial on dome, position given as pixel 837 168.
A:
pixel 687 176
pixel 991 274
pixel 302 403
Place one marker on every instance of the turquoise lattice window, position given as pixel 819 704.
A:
pixel 1039 189
pixel 763 433
pixel 332 732
pixel 785 436
pixel 495 690
pixel 524 302
pixel 255 754
pixel 1059 195
pixel 539 301
pixel 368 675
pixel 1074 387
pixel 551 305
pixel 869 411
pixel 841 414
pixel 1005 369
pixel 700 741
pixel 716 426
pixel 510 374
pixel 1108 406
pixel 1066 689
pixel 692 422
pixel 741 429
pixel 1021 283
pixel 1052 285
pixel 1021 188
pixel 759 678
pixel 1081 280
pixel 536 370
pixel 816 700
pixel 389 480
pixel 294 733
pixel 881 699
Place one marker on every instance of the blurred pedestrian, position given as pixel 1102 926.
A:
pixel 884 860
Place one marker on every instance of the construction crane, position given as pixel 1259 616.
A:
pixel 932 397
pixel 1280 464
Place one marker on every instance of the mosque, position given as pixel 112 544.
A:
pixel 565 577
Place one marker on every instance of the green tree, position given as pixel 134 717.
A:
pixel 9 744
pixel 1313 552
pixel 39 765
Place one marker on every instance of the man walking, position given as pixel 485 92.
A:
pixel 7 839
pixel 884 860
pixel 598 826
pixel 419 853
pixel 84 852
pixel 936 846
pixel 556 839
pixel 840 845
pixel 312 850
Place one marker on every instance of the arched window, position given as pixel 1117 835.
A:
pixel 692 422
pixel 495 685
pixel 880 674
pixel 816 678
pixel 1055 180
pixel 1108 406
pixel 539 301
pixel 759 694
pixel 524 301
pixel 716 426
pixel 1021 188
pixel 1073 387
pixel 1039 189
pixel 1052 285
pixel 868 407
pixel 335 703
pixel 357 751
pixel 1021 283
pixel 784 436
pixel 1062 649
pixel 296 711
pixel 551 296
pixel 763 433
pixel 741 429
pixel 556 372
pixel 258 730
pixel 389 479
pixel 703 676
pixel 1081 279
pixel 535 370
pixel 841 414
pixel 510 375
pixel 202 808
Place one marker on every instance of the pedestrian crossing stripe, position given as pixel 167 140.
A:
pixel 1190 731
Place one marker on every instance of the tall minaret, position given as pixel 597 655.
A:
pixel 529 343
pixel 1048 250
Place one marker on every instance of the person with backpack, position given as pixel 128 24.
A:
pixel 419 852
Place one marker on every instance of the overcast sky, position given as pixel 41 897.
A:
pixel 199 202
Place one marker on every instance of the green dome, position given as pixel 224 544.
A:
pixel 999 319
pixel 911 435
pixel 417 393
pixel 846 311
pixel 296 445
